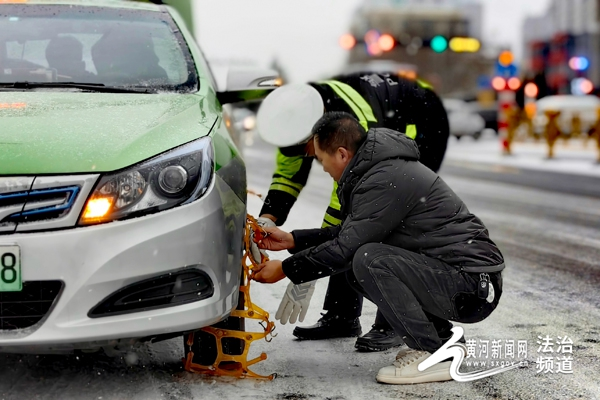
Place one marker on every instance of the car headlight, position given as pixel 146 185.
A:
pixel 176 177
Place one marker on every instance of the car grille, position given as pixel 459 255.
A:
pixel 41 203
pixel 19 310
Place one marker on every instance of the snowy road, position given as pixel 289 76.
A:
pixel 551 243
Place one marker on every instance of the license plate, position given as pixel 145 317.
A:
pixel 10 269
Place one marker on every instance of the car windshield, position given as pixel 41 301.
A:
pixel 114 47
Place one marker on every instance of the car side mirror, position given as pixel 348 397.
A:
pixel 247 84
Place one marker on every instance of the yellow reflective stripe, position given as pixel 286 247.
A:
pixel 358 99
pixel 288 166
pixel 288 182
pixel 411 131
pixel 331 220
pixel 424 84
pixel 334 202
pixel 284 188
pixel 357 103
pixel 360 107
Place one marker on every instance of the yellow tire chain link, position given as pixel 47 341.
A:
pixel 238 365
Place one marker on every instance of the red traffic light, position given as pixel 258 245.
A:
pixel 514 83
pixel 498 83
pixel 531 90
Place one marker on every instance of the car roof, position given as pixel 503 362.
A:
pixel 135 5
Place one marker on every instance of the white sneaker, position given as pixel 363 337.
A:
pixel 405 371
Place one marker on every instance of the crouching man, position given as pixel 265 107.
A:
pixel 407 243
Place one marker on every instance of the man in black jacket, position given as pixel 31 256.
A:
pixel 285 119
pixel 407 242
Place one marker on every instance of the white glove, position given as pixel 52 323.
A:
pixel 295 302
pixel 254 250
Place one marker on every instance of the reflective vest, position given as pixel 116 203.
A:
pixel 361 108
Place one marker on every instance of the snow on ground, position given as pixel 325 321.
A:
pixel 574 156
pixel 551 244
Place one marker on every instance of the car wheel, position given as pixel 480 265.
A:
pixel 204 346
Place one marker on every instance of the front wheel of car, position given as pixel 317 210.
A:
pixel 204 345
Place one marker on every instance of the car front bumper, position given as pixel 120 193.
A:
pixel 95 261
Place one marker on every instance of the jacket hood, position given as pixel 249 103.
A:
pixel 381 144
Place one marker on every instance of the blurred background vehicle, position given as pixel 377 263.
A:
pixel 240 120
pixel 244 119
pixel 585 107
pixel 463 119
pixel 487 111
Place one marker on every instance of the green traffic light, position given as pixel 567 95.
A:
pixel 439 44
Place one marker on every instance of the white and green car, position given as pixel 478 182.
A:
pixel 122 195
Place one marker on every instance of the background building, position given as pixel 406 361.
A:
pixel 570 28
pixel 421 33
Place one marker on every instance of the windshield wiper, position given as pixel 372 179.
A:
pixel 96 87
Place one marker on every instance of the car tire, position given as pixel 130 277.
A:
pixel 204 346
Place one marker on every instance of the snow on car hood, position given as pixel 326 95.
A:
pixel 71 132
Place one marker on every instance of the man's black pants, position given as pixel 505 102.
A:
pixel 417 295
pixel 342 299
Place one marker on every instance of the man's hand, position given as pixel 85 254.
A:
pixel 276 240
pixel 295 302
pixel 269 272
pixel 254 249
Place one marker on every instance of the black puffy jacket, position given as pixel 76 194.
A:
pixel 387 196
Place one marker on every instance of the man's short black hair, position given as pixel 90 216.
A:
pixel 339 129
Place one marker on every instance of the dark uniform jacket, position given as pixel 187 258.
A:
pixel 387 196
pixel 396 102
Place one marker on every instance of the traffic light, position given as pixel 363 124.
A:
pixel 377 43
pixel 581 86
pixel 464 45
pixel 386 42
pixel 347 41
pixel 498 83
pixel 514 83
pixel 579 63
pixel 531 90
pixel 439 44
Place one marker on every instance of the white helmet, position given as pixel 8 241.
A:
pixel 288 114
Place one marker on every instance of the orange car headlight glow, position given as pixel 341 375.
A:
pixel 97 208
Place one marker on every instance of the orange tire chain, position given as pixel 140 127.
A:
pixel 238 365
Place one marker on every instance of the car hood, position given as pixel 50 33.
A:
pixel 72 132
